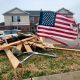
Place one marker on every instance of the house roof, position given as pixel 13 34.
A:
pixel 10 12
pixel 33 13
pixel 66 11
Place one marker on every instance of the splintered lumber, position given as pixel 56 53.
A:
pixel 23 34
pixel 27 47
pixel 41 39
pixel 66 49
pixel 14 61
pixel 19 46
pixel 37 44
pixel 7 37
pixel 15 43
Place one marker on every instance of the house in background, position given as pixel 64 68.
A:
pixel 27 20
pixel 17 19
pixel 34 20
pixel 65 12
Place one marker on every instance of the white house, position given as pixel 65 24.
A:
pixel 17 18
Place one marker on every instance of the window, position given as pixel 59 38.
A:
pixel 15 18
pixel 32 19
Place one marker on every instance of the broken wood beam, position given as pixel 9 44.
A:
pixel 37 44
pixel 14 61
pixel 27 47
pixel 66 49
pixel 19 46
pixel 8 46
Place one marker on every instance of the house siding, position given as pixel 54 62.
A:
pixel 24 21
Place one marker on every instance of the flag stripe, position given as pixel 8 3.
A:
pixel 64 28
pixel 69 17
pixel 53 39
pixel 56 37
pixel 66 22
pixel 64 19
pixel 52 32
pixel 64 36
pixel 63 23
pixel 55 30
pixel 61 16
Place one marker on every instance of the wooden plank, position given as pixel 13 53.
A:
pixel 27 47
pixel 19 46
pixel 66 49
pixel 14 61
pixel 37 44
pixel 7 37
pixel 23 34
pixel 8 46
pixel 41 39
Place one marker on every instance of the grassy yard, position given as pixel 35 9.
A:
pixel 39 65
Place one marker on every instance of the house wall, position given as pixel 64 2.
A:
pixel 24 21
pixel 33 25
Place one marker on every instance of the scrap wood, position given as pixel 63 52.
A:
pixel 15 43
pixel 37 44
pixel 27 47
pixel 7 37
pixel 14 61
pixel 19 46
pixel 66 49
pixel 23 34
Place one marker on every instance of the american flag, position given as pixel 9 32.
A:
pixel 55 25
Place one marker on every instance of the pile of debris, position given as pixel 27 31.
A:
pixel 24 43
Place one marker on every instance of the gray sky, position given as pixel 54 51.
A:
pixel 54 5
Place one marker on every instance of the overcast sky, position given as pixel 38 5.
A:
pixel 54 5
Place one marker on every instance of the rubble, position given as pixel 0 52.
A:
pixel 14 46
pixel 25 43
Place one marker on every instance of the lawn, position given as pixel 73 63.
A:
pixel 39 65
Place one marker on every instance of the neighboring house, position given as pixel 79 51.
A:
pixel 34 20
pixel 27 20
pixel 65 12
pixel 17 19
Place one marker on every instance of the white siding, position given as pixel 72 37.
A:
pixel 7 20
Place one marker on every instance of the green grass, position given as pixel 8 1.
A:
pixel 39 65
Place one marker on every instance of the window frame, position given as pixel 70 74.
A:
pixel 16 19
pixel 32 19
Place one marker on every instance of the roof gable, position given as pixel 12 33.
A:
pixel 15 11
pixel 65 11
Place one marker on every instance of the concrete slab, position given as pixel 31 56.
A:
pixel 63 76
